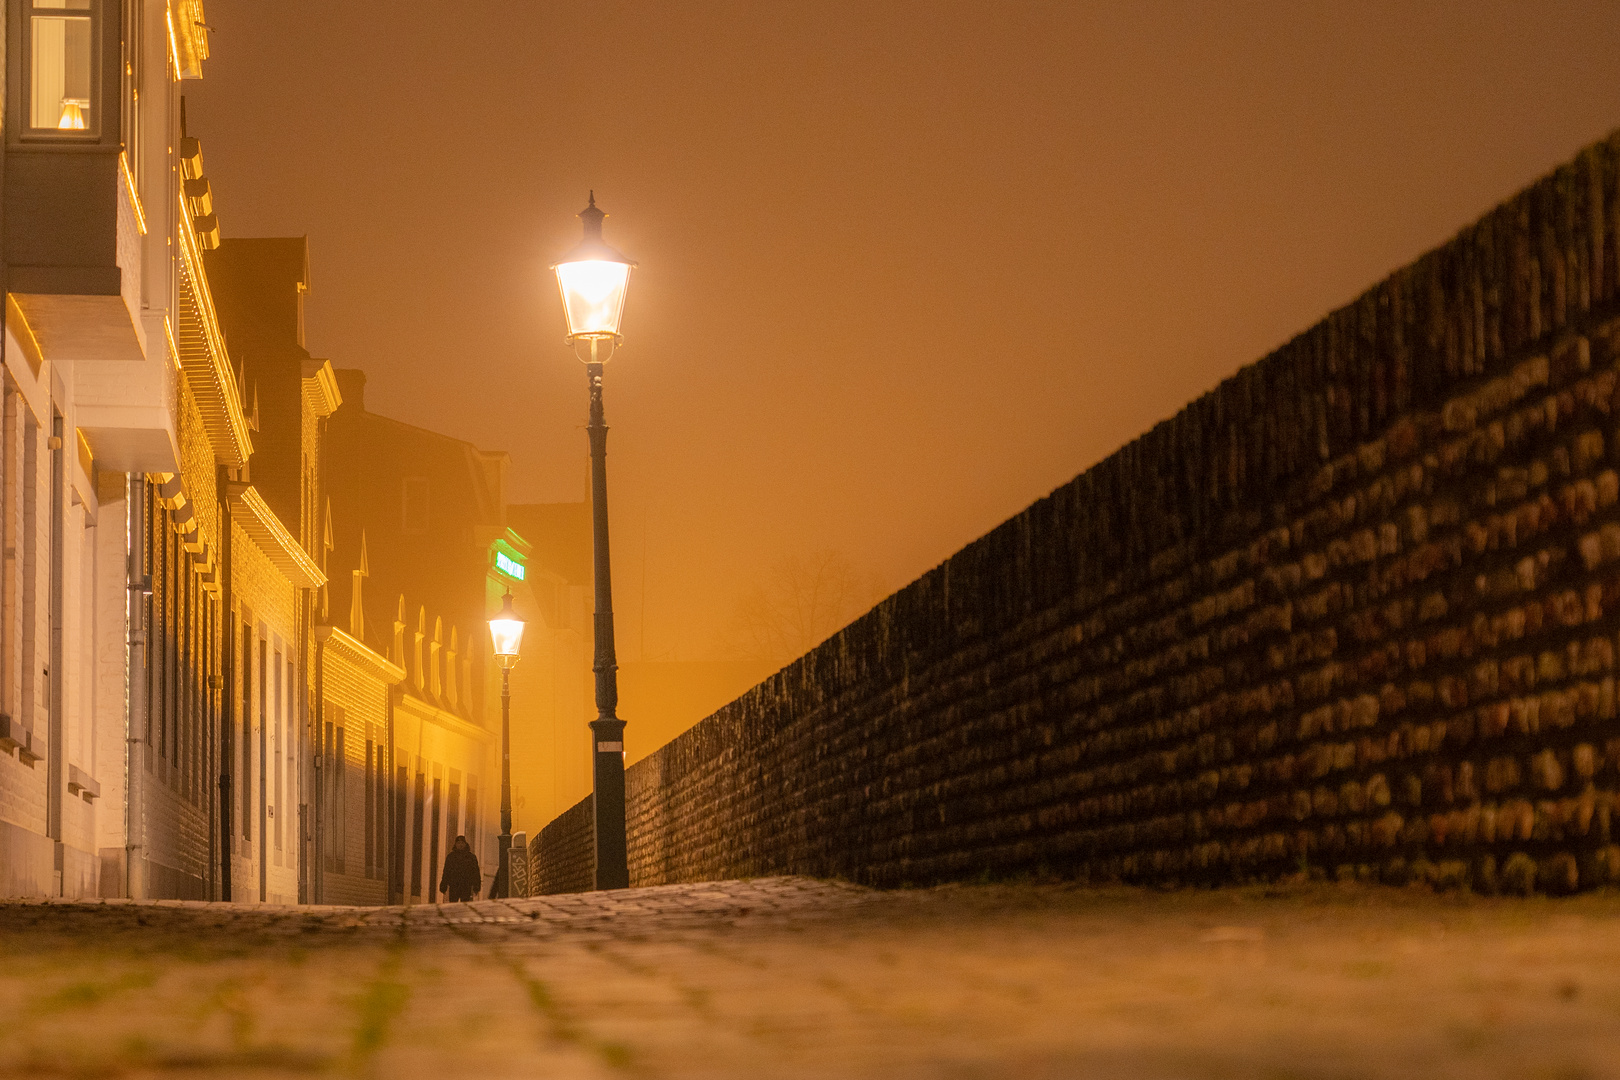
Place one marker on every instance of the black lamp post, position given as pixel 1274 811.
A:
pixel 506 633
pixel 593 278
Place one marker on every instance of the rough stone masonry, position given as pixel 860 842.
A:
pixel 1352 613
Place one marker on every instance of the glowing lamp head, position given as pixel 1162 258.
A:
pixel 593 279
pixel 506 633
pixel 72 115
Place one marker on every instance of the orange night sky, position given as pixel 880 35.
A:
pixel 905 267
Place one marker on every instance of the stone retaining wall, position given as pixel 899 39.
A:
pixel 562 855
pixel 1353 612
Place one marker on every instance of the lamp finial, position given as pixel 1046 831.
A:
pixel 591 218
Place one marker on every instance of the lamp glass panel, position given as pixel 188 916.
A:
pixel 507 636
pixel 593 296
pixel 59 80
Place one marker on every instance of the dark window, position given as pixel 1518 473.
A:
pixel 328 810
pixel 433 857
pixel 401 798
pixel 416 835
pixel 278 724
pixel 247 730
pixel 452 815
pixel 333 789
pixel 264 737
pixel 340 802
pixel 371 817
pixel 381 813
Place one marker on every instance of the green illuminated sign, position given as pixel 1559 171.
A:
pixel 508 566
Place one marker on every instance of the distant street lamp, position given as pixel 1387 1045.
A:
pixel 506 632
pixel 593 279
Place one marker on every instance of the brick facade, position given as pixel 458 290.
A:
pixel 179 718
pixel 355 770
pixel 1354 613
pixel 447 778
pixel 267 685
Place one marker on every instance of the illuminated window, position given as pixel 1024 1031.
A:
pixel 60 64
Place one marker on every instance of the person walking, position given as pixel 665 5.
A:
pixel 462 878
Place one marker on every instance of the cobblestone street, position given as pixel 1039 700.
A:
pixel 793 978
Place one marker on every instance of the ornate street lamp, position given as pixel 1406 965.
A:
pixel 593 279
pixel 506 633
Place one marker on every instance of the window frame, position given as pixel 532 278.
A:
pixel 92 132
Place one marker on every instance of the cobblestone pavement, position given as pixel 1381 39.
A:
pixel 787 977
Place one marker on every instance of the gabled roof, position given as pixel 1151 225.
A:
pixel 249 510
pixel 321 395
pixel 203 359
pixel 360 653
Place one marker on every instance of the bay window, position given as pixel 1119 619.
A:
pixel 61 64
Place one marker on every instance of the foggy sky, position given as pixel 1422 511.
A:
pixel 905 268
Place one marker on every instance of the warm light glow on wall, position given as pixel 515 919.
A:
pixel 593 296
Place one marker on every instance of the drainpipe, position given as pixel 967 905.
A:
pixel 318 773
pixel 137 590
pixel 300 706
pixel 228 684
pixel 56 773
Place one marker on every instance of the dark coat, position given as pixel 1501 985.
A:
pixel 461 874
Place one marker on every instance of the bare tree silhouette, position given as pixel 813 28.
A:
pixel 804 599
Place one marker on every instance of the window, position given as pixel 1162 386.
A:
pixel 61 65
pixel 435 867
pixel 381 812
pixel 452 813
pixel 336 793
pixel 247 729
pixel 289 727
pixel 279 726
pixel 340 799
pixel 415 516
pixel 416 831
pixel 371 821
pixel 264 746
pixel 397 848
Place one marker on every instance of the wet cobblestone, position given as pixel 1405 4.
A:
pixel 788 977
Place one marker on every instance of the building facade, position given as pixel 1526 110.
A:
pixel 423 550
pixel 444 759
pixel 243 651
pixel 121 416
pixel 356 823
